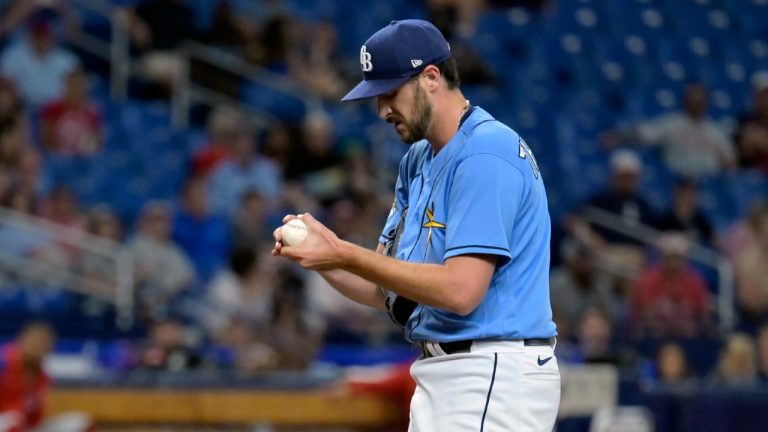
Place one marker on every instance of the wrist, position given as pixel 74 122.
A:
pixel 346 254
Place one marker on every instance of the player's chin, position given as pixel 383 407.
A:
pixel 406 137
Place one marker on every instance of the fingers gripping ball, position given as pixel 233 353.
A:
pixel 293 233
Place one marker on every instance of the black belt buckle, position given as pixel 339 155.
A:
pixel 447 347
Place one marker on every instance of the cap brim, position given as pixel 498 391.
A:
pixel 372 88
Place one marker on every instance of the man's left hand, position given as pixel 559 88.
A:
pixel 320 250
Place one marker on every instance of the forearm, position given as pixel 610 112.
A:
pixel 435 285
pixel 355 288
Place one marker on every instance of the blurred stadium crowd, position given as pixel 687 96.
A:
pixel 651 115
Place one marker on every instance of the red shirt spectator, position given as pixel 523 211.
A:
pixel 24 384
pixel 225 126
pixel 72 125
pixel 671 298
pixel 207 158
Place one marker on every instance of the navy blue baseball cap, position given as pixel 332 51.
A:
pixel 396 53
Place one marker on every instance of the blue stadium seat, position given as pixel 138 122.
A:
pixel 280 104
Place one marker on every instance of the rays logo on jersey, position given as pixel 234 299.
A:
pixel 431 222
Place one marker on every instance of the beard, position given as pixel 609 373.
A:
pixel 416 130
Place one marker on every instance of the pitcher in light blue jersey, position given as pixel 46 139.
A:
pixel 463 262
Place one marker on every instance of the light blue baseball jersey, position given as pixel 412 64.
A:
pixel 481 194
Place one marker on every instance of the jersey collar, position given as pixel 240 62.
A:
pixel 474 116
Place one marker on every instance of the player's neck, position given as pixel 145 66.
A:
pixel 446 115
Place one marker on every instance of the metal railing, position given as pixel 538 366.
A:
pixel 697 253
pixel 116 261
pixel 187 92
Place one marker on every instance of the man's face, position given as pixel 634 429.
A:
pixel 696 100
pixel 626 181
pixel 36 344
pixel 408 109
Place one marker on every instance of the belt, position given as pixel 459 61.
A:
pixel 463 346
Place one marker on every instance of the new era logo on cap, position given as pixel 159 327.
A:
pixel 396 53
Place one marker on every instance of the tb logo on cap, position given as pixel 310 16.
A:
pixel 365 60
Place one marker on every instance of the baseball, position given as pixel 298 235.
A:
pixel 293 232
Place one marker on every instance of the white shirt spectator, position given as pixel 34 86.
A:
pixel 691 148
pixel 228 297
pixel 40 79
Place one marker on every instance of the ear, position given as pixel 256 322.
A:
pixel 432 77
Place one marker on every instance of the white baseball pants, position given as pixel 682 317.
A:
pixel 499 386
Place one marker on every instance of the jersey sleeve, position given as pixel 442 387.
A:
pixel 483 203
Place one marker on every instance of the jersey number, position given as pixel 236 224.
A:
pixel 526 153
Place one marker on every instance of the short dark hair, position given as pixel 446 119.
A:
pixel 450 71
pixel 242 260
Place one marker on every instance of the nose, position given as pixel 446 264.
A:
pixel 383 107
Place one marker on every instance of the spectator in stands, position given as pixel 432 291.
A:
pixel 595 341
pixel 169 348
pixel 250 226
pixel 244 170
pixel 30 174
pixel 17 246
pixel 361 182
pixel 25 386
pixel 749 267
pixel 685 215
pixel 316 64
pixel 577 285
pixel 72 125
pixel 227 28
pixel 100 270
pixel 672 366
pixel 225 126
pixel 12 143
pixel 762 352
pixel 37 65
pixel 279 143
pixel 692 143
pixel 14 135
pixel 275 46
pixel 21 200
pixel 457 20
pixel 751 136
pixel 157 28
pixel 10 102
pixel 741 235
pixel 623 202
pixel 670 299
pixel 249 353
pixel 63 208
pixel 241 292
pixel 316 161
pixel 203 235
pixel 294 337
pixel 737 366
pixel 162 269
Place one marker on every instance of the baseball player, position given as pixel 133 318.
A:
pixel 469 236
